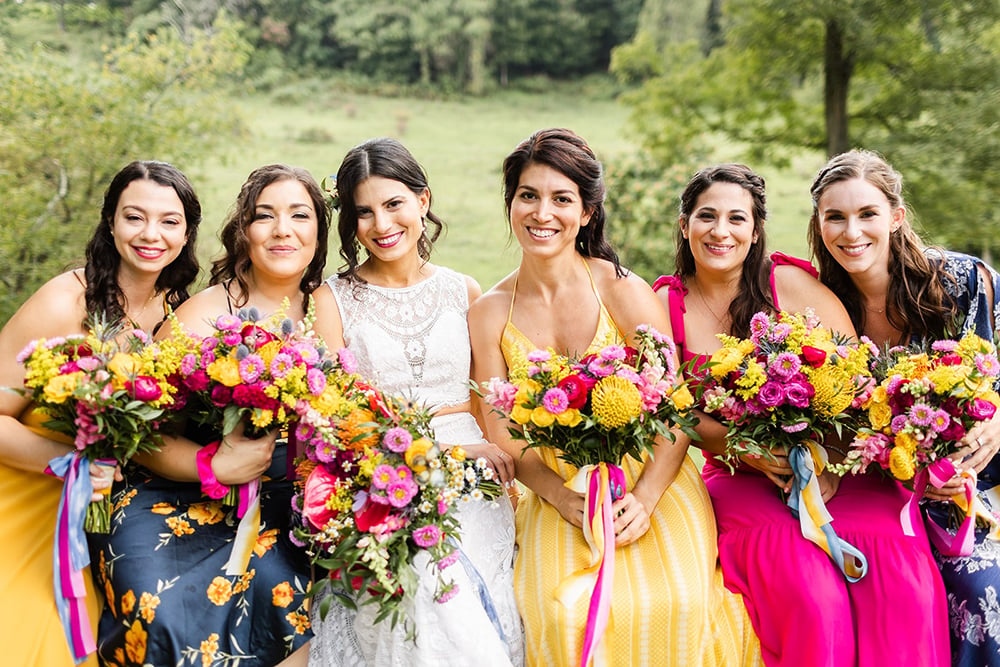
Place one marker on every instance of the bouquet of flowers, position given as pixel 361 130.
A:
pixel 109 390
pixel 924 403
pixel 789 386
pixel 596 411
pixel 601 408
pixel 376 493
pixel 267 374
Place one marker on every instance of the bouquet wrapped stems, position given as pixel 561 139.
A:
pixel 98 519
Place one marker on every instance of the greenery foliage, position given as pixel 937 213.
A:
pixel 66 128
pixel 919 79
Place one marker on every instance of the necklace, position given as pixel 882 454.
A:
pixel 877 311
pixel 718 319
pixel 135 318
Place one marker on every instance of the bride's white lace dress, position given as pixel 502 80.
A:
pixel 414 342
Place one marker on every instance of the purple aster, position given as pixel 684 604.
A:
pixel 427 536
pixel 251 367
pixel 555 401
pixel 397 439
pixel 316 381
pixel 783 366
pixel 281 365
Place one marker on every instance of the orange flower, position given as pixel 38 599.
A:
pixel 244 582
pixel 109 594
pixel 282 594
pixel 147 606
pixel 304 467
pixel 124 501
pixel 299 621
pixel 162 508
pixel 179 526
pixel 128 602
pixel 119 656
pixel 358 425
pixel 219 591
pixel 265 541
pixel 209 648
pixel 206 513
pixel 135 643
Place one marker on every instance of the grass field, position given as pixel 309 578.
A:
pixel 461 144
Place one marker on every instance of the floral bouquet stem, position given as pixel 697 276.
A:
pixel 98 519
pixel 601 485
pixel 806 502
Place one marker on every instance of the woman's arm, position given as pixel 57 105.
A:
pixel 486 320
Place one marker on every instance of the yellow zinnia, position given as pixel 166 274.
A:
pixel 60 387
pixel 615 401
pixel 225 370
pixel 901 464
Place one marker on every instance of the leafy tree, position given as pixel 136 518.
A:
pixel 66 128
pixel 915 79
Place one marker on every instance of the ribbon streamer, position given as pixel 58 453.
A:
pixel 601 485
pixel 483 592
pixel 248 510
pixel 69 555
pixel 806 503
pixel 962 543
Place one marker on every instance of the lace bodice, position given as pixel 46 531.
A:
pixel 410 341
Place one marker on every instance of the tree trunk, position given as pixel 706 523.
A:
pixel 714 37
pixel 838 68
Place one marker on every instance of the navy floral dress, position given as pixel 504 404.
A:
pixel 973 581
pixel 168 598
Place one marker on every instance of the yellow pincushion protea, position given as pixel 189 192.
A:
pixel 834 391
pixel 901 464
pixel 615 401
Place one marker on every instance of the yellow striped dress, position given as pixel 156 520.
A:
pixel 669 605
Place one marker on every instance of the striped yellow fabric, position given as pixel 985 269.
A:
pixel 669 606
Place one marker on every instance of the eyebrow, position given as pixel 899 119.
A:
pixel 144 211
pixel 292 205
pixel 565 191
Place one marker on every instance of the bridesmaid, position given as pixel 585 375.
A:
pixel 571 295
pixel 897 291
pixel 140 259
pixel 803 609
pixel 163 565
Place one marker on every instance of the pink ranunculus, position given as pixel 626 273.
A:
pixel 980 409
pixel 320 485
pixel 771 394
pixel 950 359
pixel 813 355
pixel 144 388
pixel 799 394
pixel 69 367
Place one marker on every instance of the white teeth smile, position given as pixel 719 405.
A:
pixel 388 240
pixel 719 248
pixel 541 233
pixel 854 250
pixel 149 253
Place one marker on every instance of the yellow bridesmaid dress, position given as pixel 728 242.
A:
pixel 669 605
pixel 30 631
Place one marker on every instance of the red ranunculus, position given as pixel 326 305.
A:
pixel 576 390
pixel 221 396
pixel 356 582
pixel 950 359
pixel 631 355
pixel 813 356
pixel 198 380
pixel 144 388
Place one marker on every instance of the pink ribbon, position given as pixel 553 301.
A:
pixel 938 474
pixel 70 557
pixel 606 483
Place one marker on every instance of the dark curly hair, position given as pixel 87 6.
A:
pixel 754 293
pixel 390 159
pixel 917 301
pixel 235 264
pixel 569 154
pixel 103 294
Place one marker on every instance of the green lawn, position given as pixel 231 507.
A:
pixel 461 144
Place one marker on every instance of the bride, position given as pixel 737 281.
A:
pixel 405 321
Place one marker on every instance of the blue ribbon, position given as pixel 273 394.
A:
pixel 71 543
pixel 800 459
pixel 484 594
